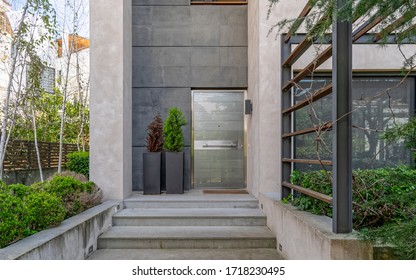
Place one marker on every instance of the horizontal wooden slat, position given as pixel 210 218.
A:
pixel 316 128
pixel 320 93
pixel 308 161
pixel 318 61
pixel 301 18
pixel 314 194
pixel 21 154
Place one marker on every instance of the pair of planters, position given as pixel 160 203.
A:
pixel 173 175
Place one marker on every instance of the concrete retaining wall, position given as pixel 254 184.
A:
pixel 27 177
pixel 301 235
pixel 74 239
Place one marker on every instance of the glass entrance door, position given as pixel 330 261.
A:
pixel 218 139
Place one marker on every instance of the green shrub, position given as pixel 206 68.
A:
pixel 79 162
pixel 379 195
pixel 75 195
pixel 18 190
pixel 384 204
pixel 43 211
pixel 172 131
pixel 13 219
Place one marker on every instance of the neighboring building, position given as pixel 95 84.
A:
pixel 78 71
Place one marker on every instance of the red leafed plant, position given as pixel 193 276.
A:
pixel 154 137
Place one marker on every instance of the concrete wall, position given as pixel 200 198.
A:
pixel 303 236
pixel 176 48
pixel 111 97
pixel 27 177
pixel 264 128
pixel 74 239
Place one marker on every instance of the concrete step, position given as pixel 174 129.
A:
pixel 186 254
pixel 187 237
pixel 192 201
pixel 190 217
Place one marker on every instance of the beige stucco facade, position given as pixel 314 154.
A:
pixel 111 134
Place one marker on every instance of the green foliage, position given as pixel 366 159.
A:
pixel 47 109
pixel 404 132
pixel 379 195
pixel 13 220
pixel 43 211
pixel 384 203
pixel 75 195
pixel 25 210
pixel 172 130
pixel 79 162
pixel 154 139
pixel 319 21
pixel 17 190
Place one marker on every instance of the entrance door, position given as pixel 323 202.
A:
pixel 218 139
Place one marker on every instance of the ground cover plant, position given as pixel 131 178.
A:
pixel 384 204
pixel 25 210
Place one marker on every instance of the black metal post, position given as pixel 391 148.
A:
pixel 286 119
pixel 342 129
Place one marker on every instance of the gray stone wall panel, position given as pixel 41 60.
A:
pixel 148 101
pixel 176 47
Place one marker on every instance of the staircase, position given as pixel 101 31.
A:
pixel 188 227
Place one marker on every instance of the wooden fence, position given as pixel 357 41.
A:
pixel 21 155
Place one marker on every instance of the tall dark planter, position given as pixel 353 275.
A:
pixel 152 168
pixel 174 172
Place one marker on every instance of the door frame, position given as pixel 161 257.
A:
pixel 244 92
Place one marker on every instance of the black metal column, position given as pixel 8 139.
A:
pixel 286 119
pixel 342 130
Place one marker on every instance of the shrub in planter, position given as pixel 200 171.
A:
pixel 18 190
pixel 13 219
pixel 79 162
pixel 75 195
pixel 174 144
pixel 384 204
pixel 152 161
pixel 44 210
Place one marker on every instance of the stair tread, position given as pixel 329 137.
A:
pixel 188 232
pixel 189 213
pixel 186 254
pixel 191 198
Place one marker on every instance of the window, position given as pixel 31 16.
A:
pixel 374 110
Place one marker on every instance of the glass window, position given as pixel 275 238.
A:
pixel 379 103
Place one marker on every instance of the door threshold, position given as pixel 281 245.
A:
pixel 225 191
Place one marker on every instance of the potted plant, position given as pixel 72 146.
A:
pixel 152 160
pixel 174 156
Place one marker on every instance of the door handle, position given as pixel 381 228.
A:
pixel 219 145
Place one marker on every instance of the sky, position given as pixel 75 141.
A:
pixel 65 14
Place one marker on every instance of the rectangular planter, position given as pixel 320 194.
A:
pixel 174 162
pixel 152 168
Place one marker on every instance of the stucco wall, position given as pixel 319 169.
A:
pixel 110 101
pixel 264 127
pixel 176 48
